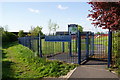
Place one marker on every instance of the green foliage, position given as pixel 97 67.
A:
pixel 116 49
pixel 8 37
pixel 21 33
pixel 80 28
pixel 36 30
pixel 99 33
pixel 1 29
pixel 20 62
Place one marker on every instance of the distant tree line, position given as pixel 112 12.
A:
pixel 11 37
pixel 35 31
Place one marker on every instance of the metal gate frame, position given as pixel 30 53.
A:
pixel 89 48
pixel 109 47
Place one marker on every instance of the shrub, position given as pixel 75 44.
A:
pixel 116 50
pixel 8 37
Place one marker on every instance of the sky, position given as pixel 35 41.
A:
pixel 23 15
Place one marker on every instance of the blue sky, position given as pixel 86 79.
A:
pixel 23 15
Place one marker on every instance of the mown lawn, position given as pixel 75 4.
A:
pixel 20 62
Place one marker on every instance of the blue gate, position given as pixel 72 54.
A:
pixel 85 46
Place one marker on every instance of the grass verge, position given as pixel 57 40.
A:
pixel 20 62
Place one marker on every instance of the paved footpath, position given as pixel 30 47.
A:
pixel 93 70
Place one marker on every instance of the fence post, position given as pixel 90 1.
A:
pixel 40 46
pixel 79 47
pixel 63 47
pixel 93 43
pixel 109 48
pixel 87 45
pixel 70 49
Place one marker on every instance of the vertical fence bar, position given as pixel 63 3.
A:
pixel 70 49
pixel 109 48
pixel 63 47
pixel 87 45
pixel 40 46
pixel 79 47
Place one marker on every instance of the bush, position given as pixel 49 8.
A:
pixel 8 37
pixel 116 50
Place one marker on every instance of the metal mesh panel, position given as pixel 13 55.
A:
pixel 100 46
pixel 61 50
pixel 83 47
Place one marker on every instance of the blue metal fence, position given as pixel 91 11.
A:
pixel 69 48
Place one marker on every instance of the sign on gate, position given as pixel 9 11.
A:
pixel 63 38
pixel 72 29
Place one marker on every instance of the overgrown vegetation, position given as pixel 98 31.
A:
pixel 20 62
pixel 7 36
pixel 116 50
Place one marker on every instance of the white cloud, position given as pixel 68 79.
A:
pixel 62 7
pixel 33 10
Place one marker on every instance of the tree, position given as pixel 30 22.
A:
pixel 21 33
pixel 100 33
pixel 1 29
pixel 55 27
pixel 36 30
pixel 106 15
pixel 1 32
pixel 80 28
pixel 52 26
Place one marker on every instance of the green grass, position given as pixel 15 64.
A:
pixel 20 62
pixel 56 47
pixel 0 48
